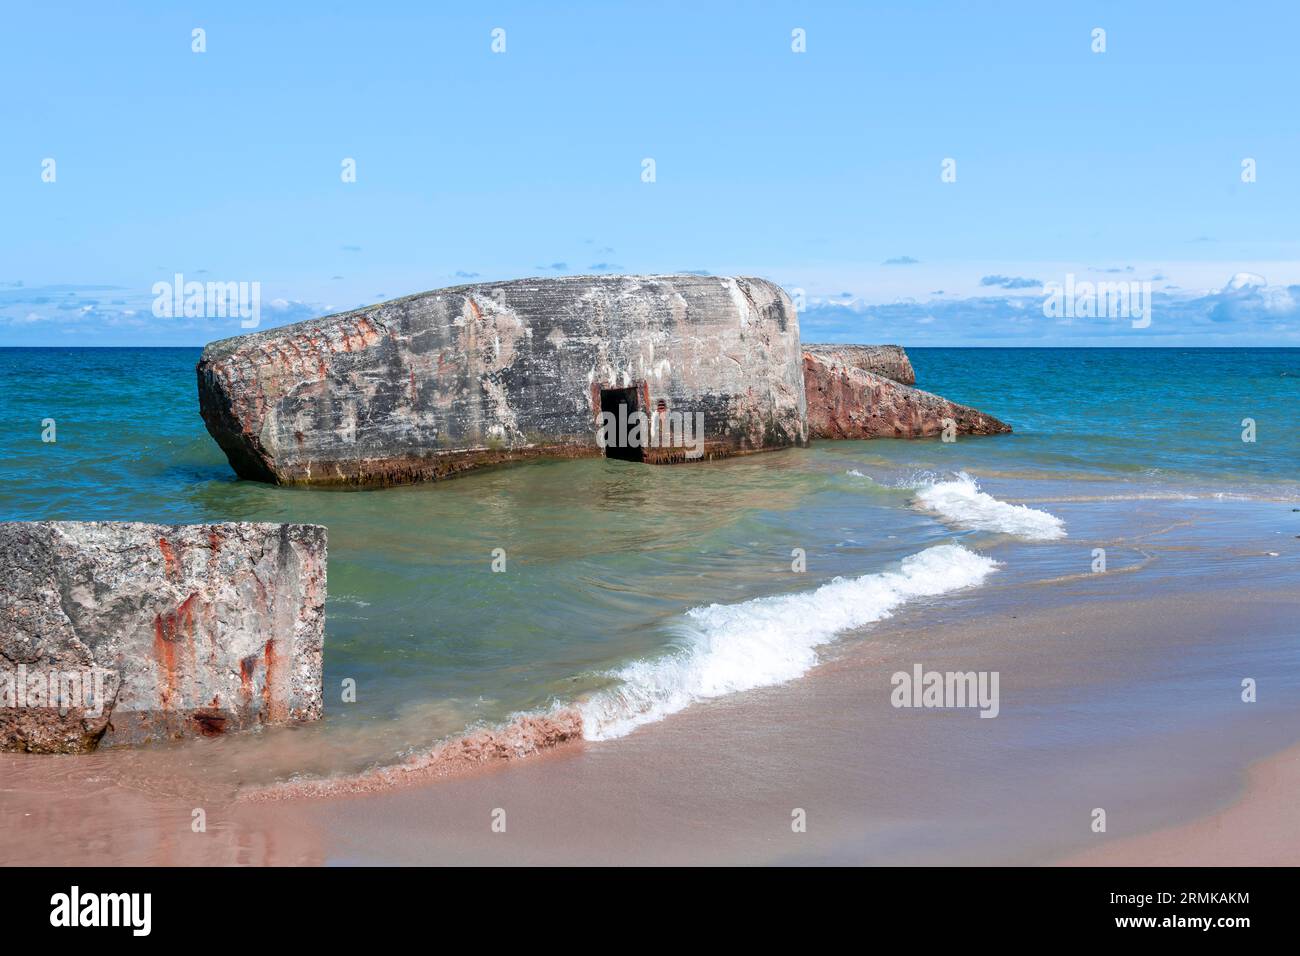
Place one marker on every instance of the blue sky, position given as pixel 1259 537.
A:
pixel 819 170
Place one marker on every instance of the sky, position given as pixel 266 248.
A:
pixel 917 174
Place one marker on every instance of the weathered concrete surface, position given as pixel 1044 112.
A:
pixel 204 629
pixel 891 361
pixel 436 383
pixel 847 402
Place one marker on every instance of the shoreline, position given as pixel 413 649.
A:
pixel 718 782
pixel 1118 690
pixel 528 735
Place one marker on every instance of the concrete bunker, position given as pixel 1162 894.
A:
pixel 121 632
pixel 445 381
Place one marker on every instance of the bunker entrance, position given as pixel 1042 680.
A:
pixel 621 403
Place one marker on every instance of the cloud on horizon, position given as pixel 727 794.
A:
pixel 1245 311
pixel 67 315
pixel 1011 282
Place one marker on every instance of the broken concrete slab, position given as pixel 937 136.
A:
pixel 846 402
pixel 891 361
pixel 116 633
pixel 436 383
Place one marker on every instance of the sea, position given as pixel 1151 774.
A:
pixel 634 592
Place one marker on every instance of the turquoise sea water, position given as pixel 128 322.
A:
pixel 1167 415
pixel 606 560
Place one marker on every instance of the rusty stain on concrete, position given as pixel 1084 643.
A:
pixel 205 629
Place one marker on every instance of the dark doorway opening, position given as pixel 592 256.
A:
pixel 621 403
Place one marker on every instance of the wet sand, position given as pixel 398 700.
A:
pixel 1109 699
pixel 719 783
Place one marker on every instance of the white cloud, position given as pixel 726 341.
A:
pixel 1245 280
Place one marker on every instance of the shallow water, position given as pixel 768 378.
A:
pixel 611 567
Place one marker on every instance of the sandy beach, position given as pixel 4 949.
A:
pixel 1090 717
pixel 1260 828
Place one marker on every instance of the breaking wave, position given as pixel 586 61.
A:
pixel 961 502
pixel 769 640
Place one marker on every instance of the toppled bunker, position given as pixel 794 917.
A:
pixel 653 368
pixel 888 361
pixel 865 391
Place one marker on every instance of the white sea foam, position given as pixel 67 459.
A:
pixel 961 502
pixel 770 640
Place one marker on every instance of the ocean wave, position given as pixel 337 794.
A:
pixel 728 648
pixel 960 501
